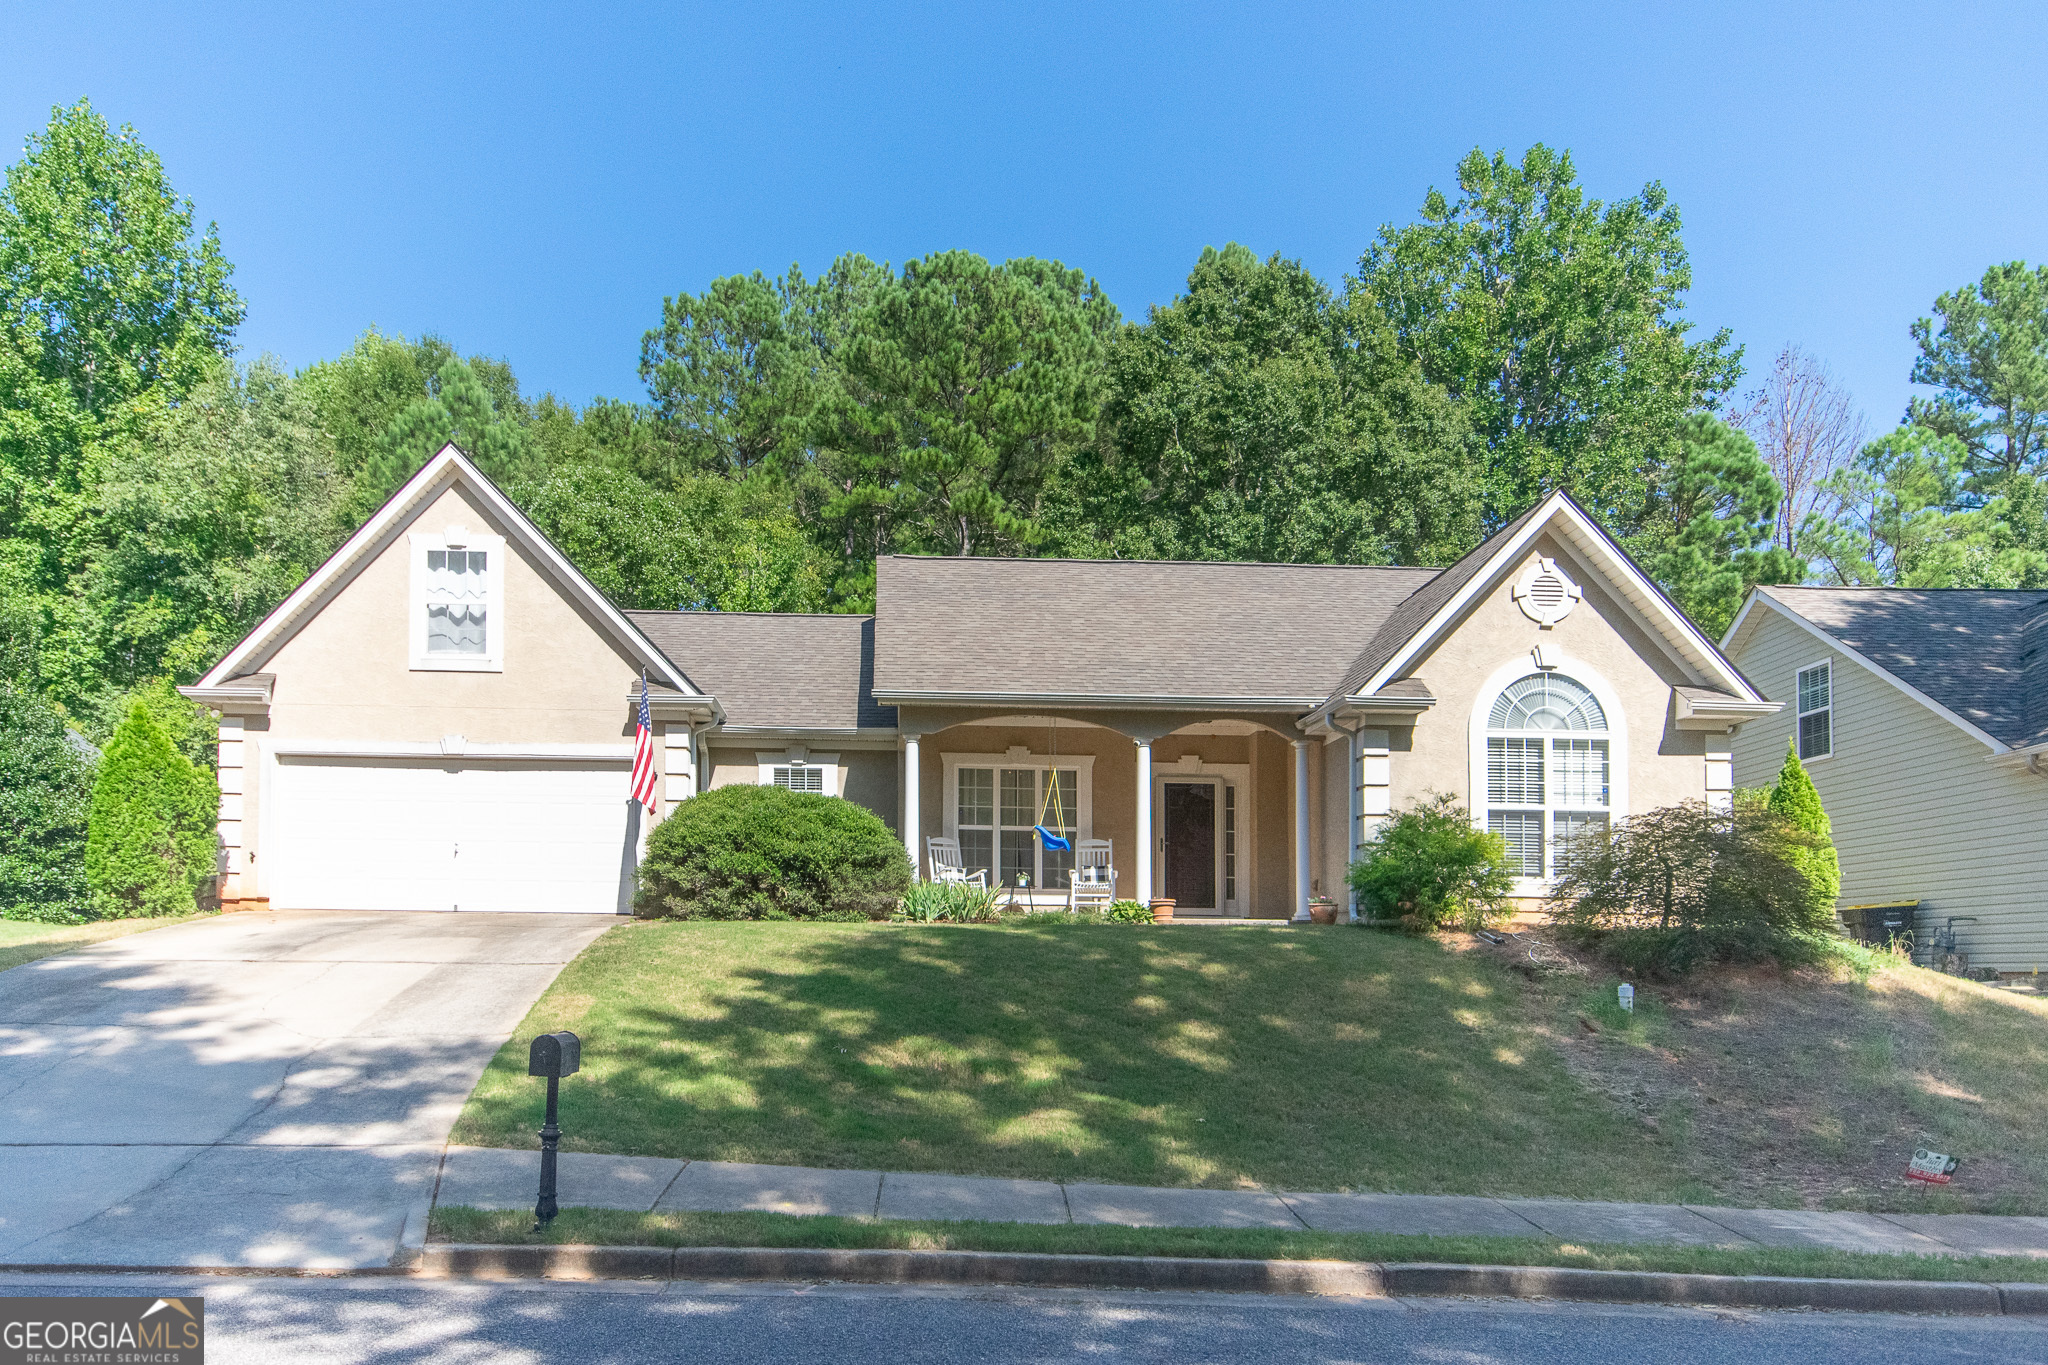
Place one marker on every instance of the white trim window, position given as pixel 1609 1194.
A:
pixel 799 772
pixel 1815 687
pixel 1549 767
pixel 457 601
pixel 993 804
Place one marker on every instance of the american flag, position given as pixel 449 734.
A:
pixel 643 753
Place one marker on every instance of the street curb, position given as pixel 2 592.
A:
pixel 1038 1270
pixel 1720 1291
pixel 1346 1279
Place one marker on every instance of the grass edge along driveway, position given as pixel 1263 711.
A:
pixel 1230 1057
pixel 23 941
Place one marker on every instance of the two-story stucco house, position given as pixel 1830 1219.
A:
pixel 1922 717
pixel 442 716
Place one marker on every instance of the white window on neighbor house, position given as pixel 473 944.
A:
pixel 1548 775
pixel 1816 688
pixel 994 811
pixel 458 588
pixel 800 772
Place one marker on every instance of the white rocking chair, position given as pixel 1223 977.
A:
pixel 944 856
pixel 1092 881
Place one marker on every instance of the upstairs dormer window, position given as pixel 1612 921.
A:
pixel 458 582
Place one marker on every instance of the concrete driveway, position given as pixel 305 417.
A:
pixel 254 1090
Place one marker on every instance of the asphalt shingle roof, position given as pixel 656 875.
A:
pixel 1414 613
pixel 1960 646
pixel 776 670
pixel 1126 628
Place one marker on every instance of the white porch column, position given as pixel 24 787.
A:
pixel 1145 821
pixel 913 789
pixel 1301 860
pixel 1354 813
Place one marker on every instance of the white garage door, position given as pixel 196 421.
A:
pixel 385 834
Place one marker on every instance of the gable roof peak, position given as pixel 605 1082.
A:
pixel 449 468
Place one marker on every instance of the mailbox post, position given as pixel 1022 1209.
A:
pixel 553 1055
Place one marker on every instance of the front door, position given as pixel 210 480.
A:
pixel 1190 871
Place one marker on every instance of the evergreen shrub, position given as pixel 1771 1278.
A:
pixel 770 853
pixel 1795 799
pixel 1685 886
pixel 45 793
pixel 1429 866
pixel 150 842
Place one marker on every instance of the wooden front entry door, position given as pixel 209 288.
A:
pixel 1190 810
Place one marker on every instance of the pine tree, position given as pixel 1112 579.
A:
pixel 460 411
pixel 150 841
pixel 1795 798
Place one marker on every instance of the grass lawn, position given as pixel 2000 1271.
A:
pixel 23 942
pixel 603 1227
pixel 1310 1059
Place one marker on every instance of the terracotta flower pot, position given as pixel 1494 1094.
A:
pixel 1322 912
pixel 1162 910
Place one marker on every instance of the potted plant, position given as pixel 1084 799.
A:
pixel 1322 910
pixel 1162 910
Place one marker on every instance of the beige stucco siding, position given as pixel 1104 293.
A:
pixel 867 777
pixel 1917 811
pixel 1600 642
pixel 345 676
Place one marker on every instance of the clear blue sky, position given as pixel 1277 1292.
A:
pixel 530 182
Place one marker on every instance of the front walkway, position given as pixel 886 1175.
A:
pixel 495 1178
pixel 254 1090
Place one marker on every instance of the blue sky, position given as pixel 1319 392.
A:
pixel 530 182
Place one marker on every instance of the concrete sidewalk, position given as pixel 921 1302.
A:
pixel 497 1178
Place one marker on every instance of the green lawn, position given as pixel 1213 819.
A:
pixel 603 1227
pixel 1310 1059
pixel 22 942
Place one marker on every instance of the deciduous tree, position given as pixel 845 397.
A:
pixel 1557 320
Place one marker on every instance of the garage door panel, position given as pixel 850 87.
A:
pixel 452 834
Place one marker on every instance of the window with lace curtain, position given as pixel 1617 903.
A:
pixel 457 590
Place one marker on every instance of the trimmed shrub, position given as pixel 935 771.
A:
pixel 150 843
pixel 1795 798
pixel 1680 887
pixel 45 794
pixel 1429 866
pixel 771 853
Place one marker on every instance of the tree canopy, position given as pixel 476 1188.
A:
pixel 1557 320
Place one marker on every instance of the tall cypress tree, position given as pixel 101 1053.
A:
pixel 1795 798
pixel 150 841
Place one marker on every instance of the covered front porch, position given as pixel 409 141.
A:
pixel 1215 811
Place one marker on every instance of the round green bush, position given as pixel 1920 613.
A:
pixel 770 853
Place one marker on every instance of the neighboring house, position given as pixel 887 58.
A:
pixel 1922 716
pixel 442 716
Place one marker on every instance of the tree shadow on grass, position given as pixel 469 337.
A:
pixel 1309 1060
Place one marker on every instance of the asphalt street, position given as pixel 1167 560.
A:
pixel 387 1319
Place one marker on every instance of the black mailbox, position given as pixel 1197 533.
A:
pixel 555 1055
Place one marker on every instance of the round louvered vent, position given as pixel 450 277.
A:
pixel 1544 594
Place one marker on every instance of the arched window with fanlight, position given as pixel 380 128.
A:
pixel 1547 768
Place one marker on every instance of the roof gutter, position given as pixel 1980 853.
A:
pixel 248 695
pixel 1119 701
pixel 701 708
pixel 1694 714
